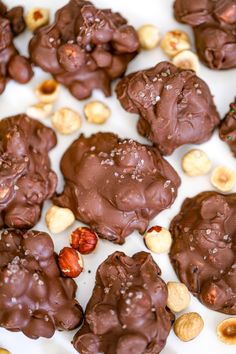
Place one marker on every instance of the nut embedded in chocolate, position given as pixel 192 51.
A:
pixel 228 128
pixel 85 48
pixel 175 106
pixel 114 185
pixel 34 297
pixel 127 311
pixel 203 249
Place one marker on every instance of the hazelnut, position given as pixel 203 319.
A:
pixel 96 112
pixel 196 163
pixel 66 121
pixel 223 178
pixel 39 110
pixel 84 240
pixel 4 351
pixel 178 296
pixel 158 239
pixel 59 219
pixel 174 42
pixel 188 326
pixel 149 36
pixel 47 91
pixel 226 330
pixel 36 18
pixel 70 262
pixel 186 60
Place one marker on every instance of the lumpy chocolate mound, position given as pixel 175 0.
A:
pixel 115 185
pixel 13 65
pixel 34 297
pixel 203 252
pixel 175 106
pixel 26 178
pixel 127 311
pixel 228 128
pixel 214 25
pixel 85 48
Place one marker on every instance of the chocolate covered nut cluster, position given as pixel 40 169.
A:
pixel 228 128
pixel 85 48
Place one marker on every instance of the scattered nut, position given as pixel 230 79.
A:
pixel 96 112
pixel 70 262
pixel 158 239
pixel 66 121
pixel 149 36
pixel 39 110
pixel 4 351
pixel 188 326
pixel 223 178
pixel 84 240
pixel 174 42
pixel 59 219
pixel 36 18
pixel 226 330
pixel 196 163
pixel 186 60
pixel 178 296
pixel 47 91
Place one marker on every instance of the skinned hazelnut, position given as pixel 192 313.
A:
pixel 47 91
pixel 66 121
pixel 188 326
pixel 158 239
pixel 196 163
pixel 84 240
pixel 186 60
pixel 223 178
pixel 70 262
pixel 59 219
pixel 149 37
pixel 178 296
pixel 40 110
pixel 175 42
pixel 36 18
pixel 226 331
pixel 4 351
pixel 96 112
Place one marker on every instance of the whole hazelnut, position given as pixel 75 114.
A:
pixel 47 91
pixel 178 296
pixel 66 121
pixel 59 219
pixel 36 18
pixel 158 239
pixel 186 60
pixel 96 112
pixel 188 326
pixel 149 36
pixel 226 331
pixel 84 240
pixel 4 351
pixel 175 42
pixel 196 163
pixel 223 178
pixel 70 262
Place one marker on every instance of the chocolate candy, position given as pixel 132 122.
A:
pixel 214 24
pixel 228 128
pixel 85 48
pixel 12 65
pixel 116 186
pixel 203 252
pixel 175 106
pixel 34 297
pixel 127 310
pixel 26 178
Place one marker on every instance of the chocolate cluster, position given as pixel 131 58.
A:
pixel 34 298
pixel 214 26
pixel 175 106
pixel 228 128
pixel 204 249
pixel 26 178
pixel 13 65
pixel 114 185
pixel 127 311
pixel 85 48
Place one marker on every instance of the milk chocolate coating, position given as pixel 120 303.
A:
pixel 85 48
pixel 228 128
pixel 12 65
pixel 26 178
pixel 34 297
pixel 175 106
pixel 116 186
pixel 214 26
pixel 203 252
pixel 127 311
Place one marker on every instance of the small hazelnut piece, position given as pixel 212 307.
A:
pixel 96 112
pixel 226 331
pixel 188 326
pixel 84 240
pixel 40 110
pixel 4 351
pixel 196 163
pixel 47 91
pixel 36 18
pixel 158 239
pixel 223 178
pixel 149 37
pixel 186 60
pixel 178 296
pixel 70 262
pixel 59 219
pixel 66 121
pixel 174 42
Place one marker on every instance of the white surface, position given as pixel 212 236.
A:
pixel 16 98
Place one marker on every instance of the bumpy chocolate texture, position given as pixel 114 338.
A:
pixel 228 128
pixel 127 311
pixel 204 249
pixel 175 106
pixel 214 25
pixel 12 65
pixel 34 297
pixel 85 48
pixel 116 186
pixel 26 179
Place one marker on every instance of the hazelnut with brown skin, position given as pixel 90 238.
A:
pixel 84 240
pixel 70 262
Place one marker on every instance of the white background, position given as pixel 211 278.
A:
pixel 17 98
